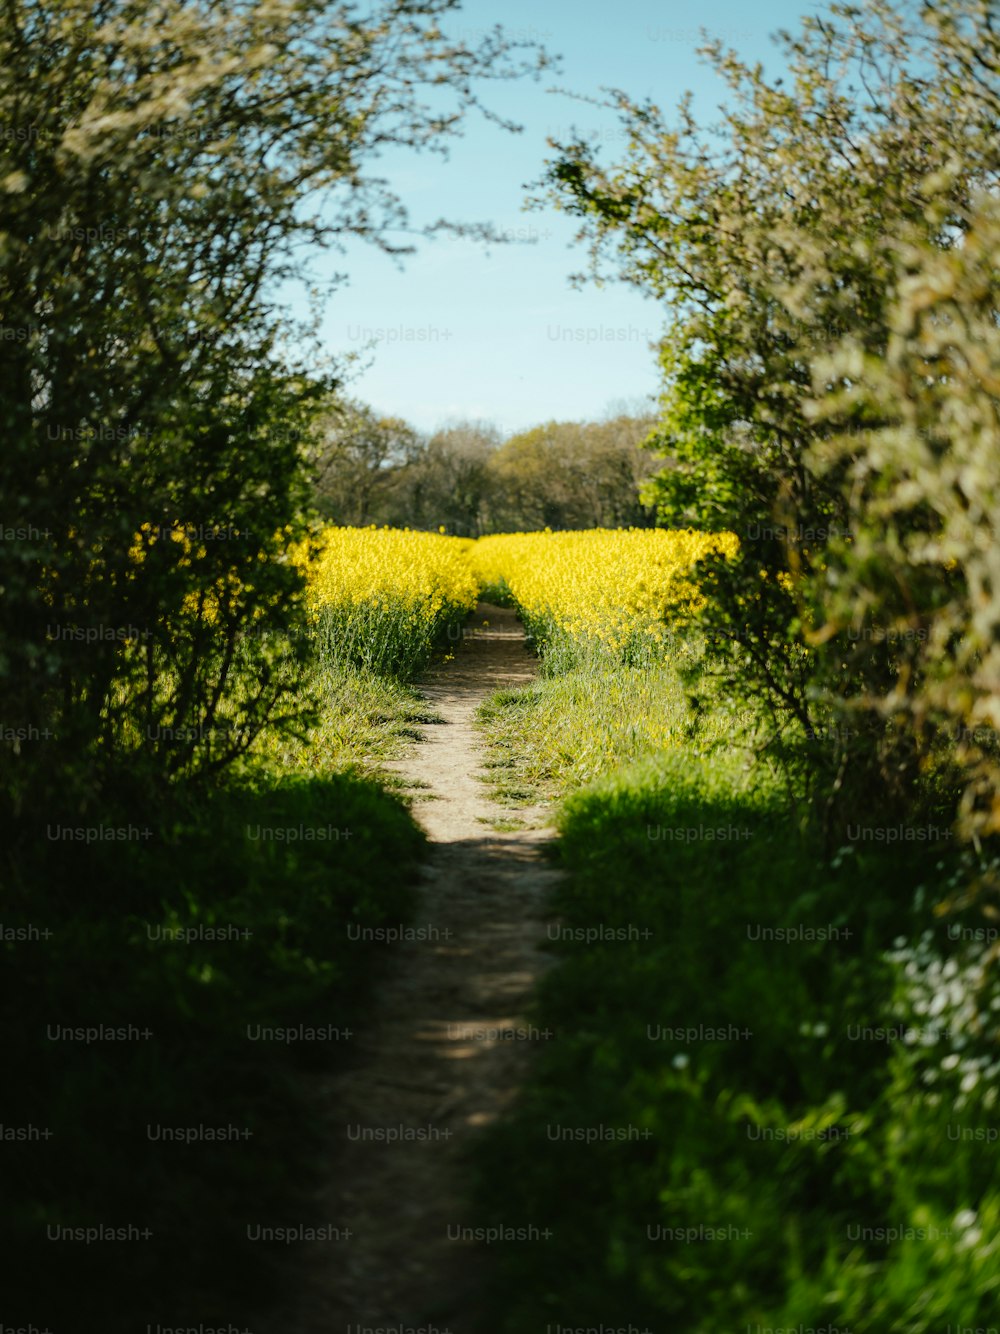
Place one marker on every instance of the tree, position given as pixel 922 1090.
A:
pixel 468 481
pixel 357 456
pixel 164 167
pixel 452 482
pixel 788 246
pixel 572 475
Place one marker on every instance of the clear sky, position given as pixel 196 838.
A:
pixel 462 331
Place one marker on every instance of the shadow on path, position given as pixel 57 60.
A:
pixel 446 1047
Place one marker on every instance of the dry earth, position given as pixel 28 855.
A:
pixel 434 1057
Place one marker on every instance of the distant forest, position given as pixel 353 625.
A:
pixel 469 480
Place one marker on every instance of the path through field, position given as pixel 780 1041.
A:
pixel 437 1058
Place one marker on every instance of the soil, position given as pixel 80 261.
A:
pixel 447 1045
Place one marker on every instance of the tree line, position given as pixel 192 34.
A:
pixel 468 480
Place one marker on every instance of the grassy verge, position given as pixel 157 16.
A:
pixel 764 1101
pixel 365 720
pixel 589 714
pixel 769 1099
pixel 170 1001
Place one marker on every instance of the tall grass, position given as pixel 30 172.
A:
pixel 387 637
pixel 589 714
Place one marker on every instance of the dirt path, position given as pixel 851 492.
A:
pixel 438 1058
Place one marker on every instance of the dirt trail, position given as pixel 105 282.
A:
pixel 435 1058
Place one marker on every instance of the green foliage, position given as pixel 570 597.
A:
pixel 246 907
pixel 715 1017
pixel 828 255
pixel 712 473
pixel 161 178
pixel 919 572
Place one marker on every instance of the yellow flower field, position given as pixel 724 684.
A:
pixel 604 584
pixel 427 571
pixel 381 596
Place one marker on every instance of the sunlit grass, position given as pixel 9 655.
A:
pixel 565 731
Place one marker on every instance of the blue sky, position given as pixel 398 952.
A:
pixel 462 331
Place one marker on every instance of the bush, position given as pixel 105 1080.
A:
pixel 827 255
pixel 754 1134
pixel 203 934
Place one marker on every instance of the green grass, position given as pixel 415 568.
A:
pixel 288 913
pixel 365 721
pixel 564 731
pixel 708 1124
pixel 747 1150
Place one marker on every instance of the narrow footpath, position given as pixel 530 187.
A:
pixel 447 1045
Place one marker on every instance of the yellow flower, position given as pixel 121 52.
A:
pixel 607 583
